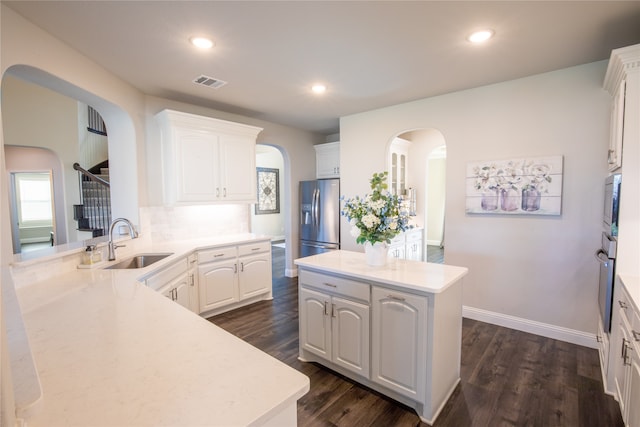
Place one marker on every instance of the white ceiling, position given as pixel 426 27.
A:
pixel 370 54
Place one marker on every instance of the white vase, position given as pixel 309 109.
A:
pixel 376 254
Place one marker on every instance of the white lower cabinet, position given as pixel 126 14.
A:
pixel 633 391
pixel 408 245
pixel 175 281
pixel 336 329
pixel 385 336
pixel 625 356
pixel 178 291
pixel 399 321
pixel 232 276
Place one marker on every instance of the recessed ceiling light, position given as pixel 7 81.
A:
pixel 480 36
pixel 318 88
pixel 201 42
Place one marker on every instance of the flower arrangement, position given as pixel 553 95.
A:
pixel 516 175
pixel 379 216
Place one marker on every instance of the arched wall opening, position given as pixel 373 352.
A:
pixel 121 141
pixel 278 225
pixel 425 175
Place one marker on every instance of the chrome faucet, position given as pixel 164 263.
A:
pixel 132 232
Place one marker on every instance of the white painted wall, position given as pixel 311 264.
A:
pixel 436 191
pixel 537 269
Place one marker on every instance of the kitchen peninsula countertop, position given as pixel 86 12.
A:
pixel 110 351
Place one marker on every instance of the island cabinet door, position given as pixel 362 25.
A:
pixel 217 283
pixel 315 322
pixel 398 343
pixel 350 335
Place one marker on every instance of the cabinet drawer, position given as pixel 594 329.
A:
pixel 398 240
pixel 166 275
pixel 338 285
pixel 254 248
pixel 413 236
pixel 217 254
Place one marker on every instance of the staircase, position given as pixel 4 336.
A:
pixel 94 212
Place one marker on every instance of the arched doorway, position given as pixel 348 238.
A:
pixel 423 172
pixel 269 215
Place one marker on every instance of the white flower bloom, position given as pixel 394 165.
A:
pixel 370 220
pixel 393 225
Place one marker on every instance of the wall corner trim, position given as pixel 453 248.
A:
pixel 530 326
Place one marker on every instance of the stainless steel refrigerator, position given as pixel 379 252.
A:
pixel 319 216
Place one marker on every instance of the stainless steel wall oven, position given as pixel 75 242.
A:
pixel 606 255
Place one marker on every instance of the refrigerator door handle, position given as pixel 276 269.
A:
pixel 320 245
pixel 602 257
pixel 316 197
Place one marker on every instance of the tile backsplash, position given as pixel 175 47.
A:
pixel 163 223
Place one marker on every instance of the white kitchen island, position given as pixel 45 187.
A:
pixel 396 329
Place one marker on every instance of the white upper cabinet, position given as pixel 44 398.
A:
pixel 328 160
pixel 398 173
pixel 206 159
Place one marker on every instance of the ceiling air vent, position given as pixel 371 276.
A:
pixel 209 82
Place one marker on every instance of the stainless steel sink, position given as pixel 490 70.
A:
pixel 139 261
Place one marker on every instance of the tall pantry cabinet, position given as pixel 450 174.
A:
pixel 622 366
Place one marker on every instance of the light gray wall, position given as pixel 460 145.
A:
pixel 534 268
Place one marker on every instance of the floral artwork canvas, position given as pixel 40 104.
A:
pixel 526 186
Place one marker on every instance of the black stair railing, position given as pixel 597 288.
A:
pixel 94 211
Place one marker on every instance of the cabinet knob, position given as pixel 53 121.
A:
pixel 623 304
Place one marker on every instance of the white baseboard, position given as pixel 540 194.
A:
pixel 531 326
pixel 291 272
pixel 434 242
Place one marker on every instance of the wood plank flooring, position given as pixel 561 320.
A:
pixel 508 378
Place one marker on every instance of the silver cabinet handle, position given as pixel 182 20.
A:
pixel 326 312
pixel 636 335
pixel 242 266
pixel 224 192
pixel 330 285
pixel 333 310
pixel 217 191
pixel 395 298
pixel 235 268
pixel 598 338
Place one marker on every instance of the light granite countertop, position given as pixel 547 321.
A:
pixel 110 351
pixel 632 285
pixel 418 276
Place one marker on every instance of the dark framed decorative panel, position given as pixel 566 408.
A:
pixel 268 191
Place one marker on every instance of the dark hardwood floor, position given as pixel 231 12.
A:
pixel 508 378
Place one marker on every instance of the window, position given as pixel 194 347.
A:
pixel 33 194
pixel 95 123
